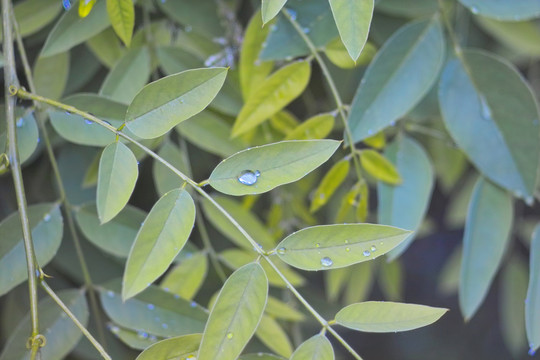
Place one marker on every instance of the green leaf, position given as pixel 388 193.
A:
pixel 128 76
pixel 34 15
pixel 201 15
pixel 281 310
pixel 115 237
pixel 273 336
pixel 391 280
pixel 260 356
pixel 360 282
pixel 122 17
pixel 235 314
pixel 27 132
pixel 405 205
pixel 51 75
pixel 339 56
pixel 186 278
pixel 154 311
pixel 161 237
pixel 513 290
pixel 62 334
pixel 138 340
pixel 106 47
pixel 503 10
pixel 315 348
pixel 335 281
pixel 379 167
pixel 118 173
pixel 416 50
pixel 164 103
pixel 316 127
pixel 252 71
pixel 164 179
pixel 72 30
pixel 76 129
pixel 247 220
pixel 274 93
pixel 448 279
pixel 329 184
pixel 353 19
pixel 408 8
pixel 277 164
pixel 270 8
pixel 334 246
pixel 175 348
pixel 532 302
pixel 380 316
pixel 492 114
pixel 210 132
pixel 284 41
pixel 47 228
pixel 487 232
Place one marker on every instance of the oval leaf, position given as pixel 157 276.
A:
pixel 273 336
pixel 235 315
pixel 380 316
pixel 276 92
pixel 161 237
pixel 122 17
pixel 504 10
pixel 379 167
pixel 47 229
pixel 416 50
pixel 317 127
pixel 175 348
pixel 51 75
pixel 270 8
pixel 487 231
pixel 334 246
pixel 277 164
pixel 187 277
pixel 532 302
pixel 118 173
pixel 315 348
pixel 353 19
pixel 494 119
pixel 164 103
pixel 329 184
pixel 405 205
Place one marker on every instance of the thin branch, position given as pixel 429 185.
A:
pixel 10 81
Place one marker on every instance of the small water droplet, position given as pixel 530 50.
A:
pixel 230 335
pixel 306 30
pixel 66 4
pixel 165 326
pixel 152 338
pixel 88 122
pixel 150 306
pixel 248 177
pixel 347 249
pixel 138 162
pixel 193 304
pixel 47 217
pixel 373 248
pixel 370 132
pixel 142 334
pixel 20 122
pixel 317 245
pixel 114 328
pixel 273 27
pixel 529 201
pixel 281 250
pixel 531 352
pixel 366 253
pixel 110 293
pixel 346 241
pixel 292 13
pixel 191 357
pixel 176 296
pixel 326 261
pixel 475 9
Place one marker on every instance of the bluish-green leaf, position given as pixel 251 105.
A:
pixel 34 15
pixel 128 76
pixel 51 75
pixel 106 47
pixel 174 60
pixel 380 316
pixel 504 10
pixel 180 347
pixel 261 169
pixel 61 333
pixel 532 302
pixel 235 314
pixel 122 16
pixel 411 59
pixel 27 132
pixel 115 237
pixel 164 179
pixel 487 231
pixel 72 30
pixel 406 204
pixel 154 311
pixel 315 348
pixel 118 173
pixel 201 15
pixel 273 336
pixel 353 19
pixel 163 104
pixel 492 114
pixel 282 310
pixel 408 8
pixel 187 277
pixel 47 228
pixel 334 246
pixel 161 237
pixel 270 8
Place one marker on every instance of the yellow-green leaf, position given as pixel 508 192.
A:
pixel 85 6
pixel 270 8
pixel 118 172
pixel 315 348
pixel 276 92
pixel 317 127
pixel 329 184
pixel 339 56
pixel 51 75
pixel 180 347
pixel 379 167
pixel 235 314
pixel 532 302
pixel 273 336
pixel 282 310
pixel 377 141
pixel 187 277
pixel 122 16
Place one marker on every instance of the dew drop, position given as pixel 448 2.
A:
pixel 47 218
pixel 273 27
pixel 152 338
pixel 150 306
pixel 529 201
pixel 20 122
pixel 193 304
pixel 306 30
pixel 110 293
pixel 366 253
pixel 317 245
pixel 326 261
pixel 347 249
pixel 142 334
pixel 66 4
pixel 370 132
pixel 248 177
pixel 191 357
pixel 176 296
pixel 88 122
pixel 165 326
pixel 531 352
pixel 292 13
pixel 475 9
pixel 373 248
pixel 230 335
pixel 114 328
pixel 281 250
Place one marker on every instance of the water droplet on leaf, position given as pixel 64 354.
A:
pixel 281 250
pixel 142 334
pixel 88 122
pixel 366 253
pixel 150 307
pixel 66 4
pixel 326 261
pixel 20 122
pixel 373 248
pixel 230 335
pixel 248 177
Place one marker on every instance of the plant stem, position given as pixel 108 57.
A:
pixel 10 80
pixel 81 327
pixel 333 89
pixel 61 188
pixel 262 253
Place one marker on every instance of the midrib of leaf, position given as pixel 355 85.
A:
pixel 349 245
pixel 123 12
pixel 111 177
pixel 385 323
